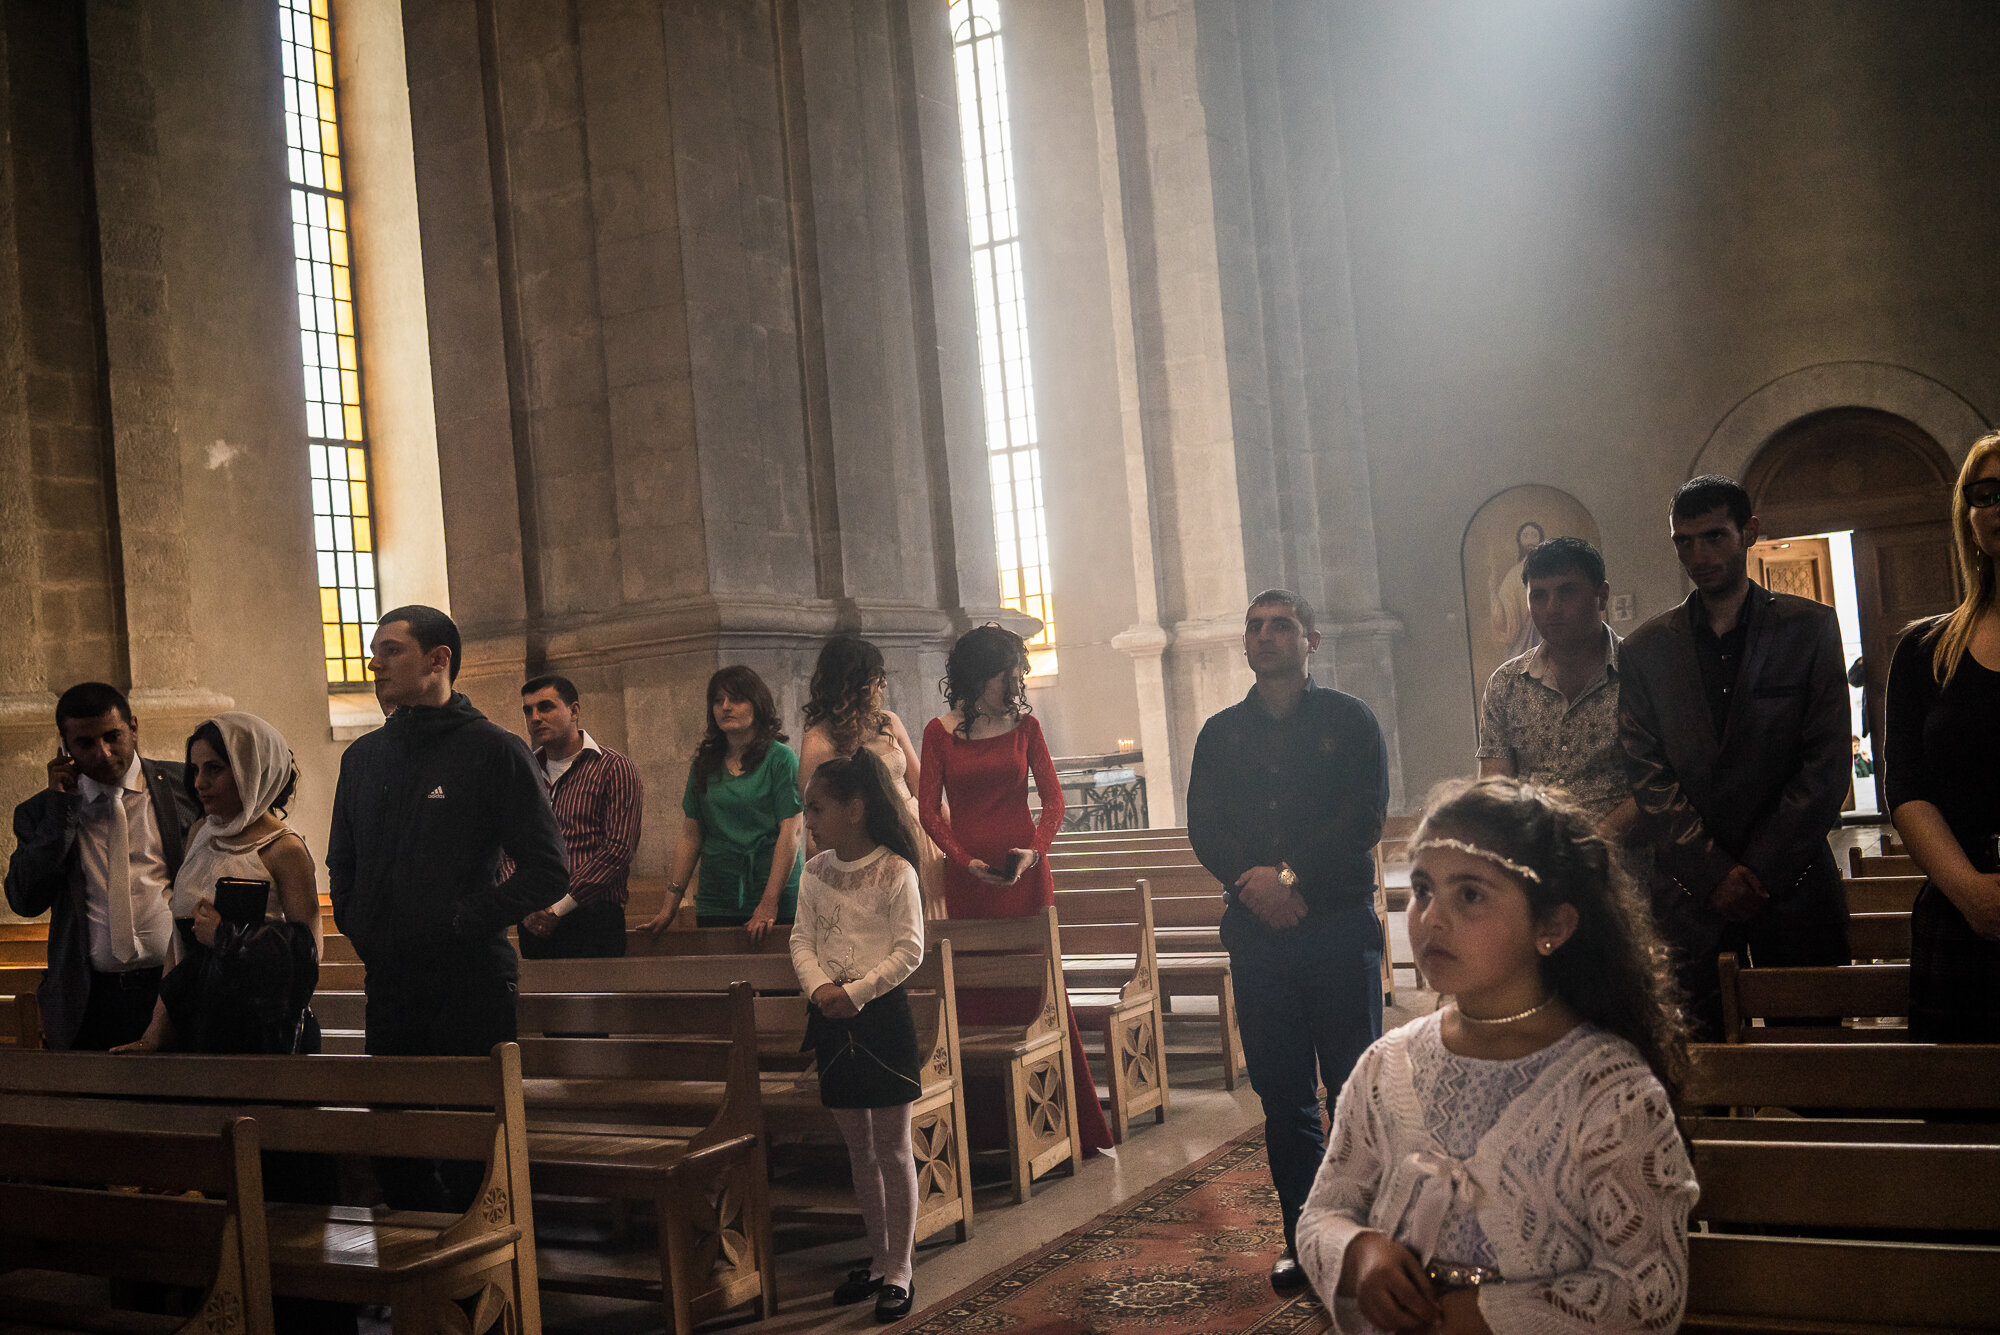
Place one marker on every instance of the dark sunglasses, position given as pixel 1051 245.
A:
pixel 1982 495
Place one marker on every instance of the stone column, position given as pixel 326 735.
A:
pixel 1152 78
pixel 26 704
pixel 150 527
pixel 685 265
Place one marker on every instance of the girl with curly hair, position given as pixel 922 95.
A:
pixel 844 716
pixel 1510 1162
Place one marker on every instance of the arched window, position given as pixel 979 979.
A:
pixel 1014 457
pixel 343 513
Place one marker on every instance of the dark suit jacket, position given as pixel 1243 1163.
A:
pixel 44 874
pixel 1766 794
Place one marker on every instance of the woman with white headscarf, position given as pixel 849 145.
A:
pixel 240 986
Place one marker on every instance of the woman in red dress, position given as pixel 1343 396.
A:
pixel 978 758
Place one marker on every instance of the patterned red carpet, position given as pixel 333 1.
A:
pixel 1191 1255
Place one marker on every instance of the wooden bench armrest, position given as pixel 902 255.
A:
pixel 451 1254
pixel 721 1149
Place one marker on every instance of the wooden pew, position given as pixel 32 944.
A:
pixel 1882 894
pixel 1864 991
pixel 667 1110
pixel 678 941
pixel 420 1265
pixel 1878 1092
pixel 1872 1276
pixel 1122 857
pixel 1187 944
pixel 1878 936
pixel 1392 891
pixel 20 1011
pixel 789 1087
pixel 1112 972
pixel 1031 1059
pixel 1168 879
pixel 1860 865
pixel 162 1233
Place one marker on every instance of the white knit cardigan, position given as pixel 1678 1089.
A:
pixel 1582 1188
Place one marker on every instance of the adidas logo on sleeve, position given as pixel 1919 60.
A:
pixel 435 794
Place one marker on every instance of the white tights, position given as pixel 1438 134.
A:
pixel 885 1182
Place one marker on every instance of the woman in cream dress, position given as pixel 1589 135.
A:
pixel 844 715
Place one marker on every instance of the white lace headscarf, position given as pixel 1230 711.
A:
pixel 261 760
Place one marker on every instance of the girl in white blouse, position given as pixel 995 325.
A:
pixel 1510 1163
pixel 858 934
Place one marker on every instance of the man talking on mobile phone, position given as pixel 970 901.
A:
pixel 97 850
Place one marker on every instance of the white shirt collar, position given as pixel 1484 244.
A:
pixel 133 782
pixel 561 767
pixel 870 856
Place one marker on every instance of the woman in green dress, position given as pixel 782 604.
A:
pixel 740 814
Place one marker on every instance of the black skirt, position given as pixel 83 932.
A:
pixel 1954 975
pixel 869 1061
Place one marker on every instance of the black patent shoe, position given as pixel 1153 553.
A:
pixel 893 1302
pixel 855 1287
pixel 1287 1275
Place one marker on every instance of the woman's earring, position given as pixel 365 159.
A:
pixel 1547 946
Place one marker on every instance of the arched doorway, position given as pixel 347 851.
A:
pixel 1885 480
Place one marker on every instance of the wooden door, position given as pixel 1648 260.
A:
pixel 1902 572
pixel 1801 566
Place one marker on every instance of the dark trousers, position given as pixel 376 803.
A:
pixel 1806 925
pixel 588 931
pixel 119 1009
pixel 435 1015
pixel 1309 1002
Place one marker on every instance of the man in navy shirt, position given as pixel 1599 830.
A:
pixel 1285 805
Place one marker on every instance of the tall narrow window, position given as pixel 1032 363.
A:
pixel 343 523
pixel 1014 456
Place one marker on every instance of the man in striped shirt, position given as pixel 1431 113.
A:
pixel 597 796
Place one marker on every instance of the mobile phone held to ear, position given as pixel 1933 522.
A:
pixel 242 901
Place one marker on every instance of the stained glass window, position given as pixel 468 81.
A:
pixel 336 446
pixel 1014 455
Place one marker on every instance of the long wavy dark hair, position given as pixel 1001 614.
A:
pixel 211 734
pixel 981 654
pixel 1614 970
pixel 861 775
pixel 738 683
pixel 846 693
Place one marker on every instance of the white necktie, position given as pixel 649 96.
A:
pixel 118 878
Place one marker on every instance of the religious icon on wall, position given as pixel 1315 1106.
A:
pixel 1497 542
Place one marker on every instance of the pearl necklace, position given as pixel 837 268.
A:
pixel 1504 1019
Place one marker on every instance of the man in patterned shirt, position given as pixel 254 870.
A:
pixel 1551 715
pixel 597 795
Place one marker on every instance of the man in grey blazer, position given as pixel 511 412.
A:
pixel 100 847
pixel 1734 720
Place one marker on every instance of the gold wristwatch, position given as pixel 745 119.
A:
pixel 1286 876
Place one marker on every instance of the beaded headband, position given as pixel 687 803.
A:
pixel 1525 873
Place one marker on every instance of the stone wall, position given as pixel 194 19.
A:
pixel 1582 236
pixel 153 492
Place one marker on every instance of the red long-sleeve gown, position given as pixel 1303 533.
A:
pixel 986 782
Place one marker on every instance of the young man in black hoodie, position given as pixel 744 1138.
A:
pixel 426 806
